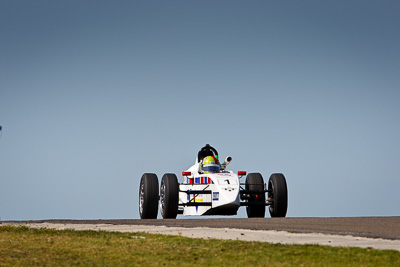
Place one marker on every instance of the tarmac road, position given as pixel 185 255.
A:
pixel 371 227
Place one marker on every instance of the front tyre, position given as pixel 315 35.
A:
pixel 148 196
pixel 256 202
pixel 277 195
pixel 169 196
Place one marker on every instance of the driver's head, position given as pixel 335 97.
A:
pixel 210 164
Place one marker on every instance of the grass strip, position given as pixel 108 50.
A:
pixel 23 246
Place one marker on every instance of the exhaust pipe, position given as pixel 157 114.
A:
pixel 226 162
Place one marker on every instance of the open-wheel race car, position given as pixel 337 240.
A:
pixel 208 188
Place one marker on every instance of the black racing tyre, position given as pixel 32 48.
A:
pixel 256 205
pixel 148 196
pixel 277 195
pixel 169 196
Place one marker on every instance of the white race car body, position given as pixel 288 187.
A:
pixel 214 193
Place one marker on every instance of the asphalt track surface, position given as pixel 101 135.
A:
pixel 371 227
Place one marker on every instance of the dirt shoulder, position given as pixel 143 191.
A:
pixel 372 227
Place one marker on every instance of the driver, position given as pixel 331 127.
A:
pixel 210 164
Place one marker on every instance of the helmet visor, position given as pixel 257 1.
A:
pixel 211 168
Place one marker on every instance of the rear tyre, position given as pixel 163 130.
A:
pixel 277 195
pixel 256 205
pixel 148 196
pixel 169 196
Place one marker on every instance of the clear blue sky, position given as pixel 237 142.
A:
pixel 95 93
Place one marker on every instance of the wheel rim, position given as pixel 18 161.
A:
pixel 271 196
pixel 162 196
pixel 141 198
